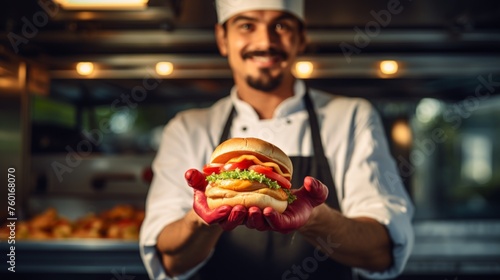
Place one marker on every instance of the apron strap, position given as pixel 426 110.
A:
pixel 227 126
pixel 319 153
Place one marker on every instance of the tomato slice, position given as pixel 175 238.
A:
pixel 212 168
pixel 244 164
pixel 269 173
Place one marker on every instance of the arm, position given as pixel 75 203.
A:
pixel 375 223
pixel 186 242
pixel 170 199
pixel 171 226
pixel 357 242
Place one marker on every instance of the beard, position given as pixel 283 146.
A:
pixel 265 81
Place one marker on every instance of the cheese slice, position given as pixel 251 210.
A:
pixel 253 158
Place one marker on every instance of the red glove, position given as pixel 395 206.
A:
pixel 312 194
pixel 228 217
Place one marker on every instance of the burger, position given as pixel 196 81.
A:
pixel 249 172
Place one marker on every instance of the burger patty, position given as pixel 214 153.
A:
pixel 231 188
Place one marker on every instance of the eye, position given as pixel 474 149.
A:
pixel 281 27
pixel 245 26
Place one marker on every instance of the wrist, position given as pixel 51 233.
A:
pixel 195 222
pixel 310 221
pixel 316 219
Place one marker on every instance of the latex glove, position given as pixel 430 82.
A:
pixel 226 216
pixel 310 195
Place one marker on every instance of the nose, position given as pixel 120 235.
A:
pixel 266 37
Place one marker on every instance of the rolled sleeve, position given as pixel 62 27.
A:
pixel 395 217
pixel 373 188
pixel 155 268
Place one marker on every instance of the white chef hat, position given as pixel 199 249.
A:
pixel 228 8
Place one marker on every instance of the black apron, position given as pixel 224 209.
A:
pixel 249 254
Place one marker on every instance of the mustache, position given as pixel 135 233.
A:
pixel 269 52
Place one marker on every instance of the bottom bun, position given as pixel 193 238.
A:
pixel 249 199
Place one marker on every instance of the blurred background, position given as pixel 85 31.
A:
pixel 85 91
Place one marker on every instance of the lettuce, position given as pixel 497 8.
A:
pixel 252 176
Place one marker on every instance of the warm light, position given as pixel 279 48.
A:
pixel 7 82
pixel 85 68
pixel 304 69
pixel 164 68
pixel 103 4
pixel 389 67
pixel 401 133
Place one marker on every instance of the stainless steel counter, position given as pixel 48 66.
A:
pixel 456 249
pixel 76 259
pixel 444 250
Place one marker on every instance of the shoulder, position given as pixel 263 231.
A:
pixel 199 129
pixel 206 114
pixel 194 119
pixel 329 104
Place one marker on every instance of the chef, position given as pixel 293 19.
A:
pixel 362 228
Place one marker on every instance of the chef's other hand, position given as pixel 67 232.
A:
pixel 228 217
pixel 310 195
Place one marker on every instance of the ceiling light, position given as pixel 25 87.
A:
pixel 401 133
pixel 103 4
pixel 389 67
pixel 85 68
pixel 304 69
pixel 164 68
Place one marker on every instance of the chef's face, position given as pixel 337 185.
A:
pixel 261 47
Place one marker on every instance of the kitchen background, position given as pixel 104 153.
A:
pixel 84 94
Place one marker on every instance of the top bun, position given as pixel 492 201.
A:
pixel 264 151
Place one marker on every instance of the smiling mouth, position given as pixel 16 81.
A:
pixel 265 58
pixel 265 61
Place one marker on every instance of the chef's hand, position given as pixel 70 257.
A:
pixel 310 195
pixel 228 217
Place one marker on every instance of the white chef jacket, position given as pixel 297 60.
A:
pixel 354 144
